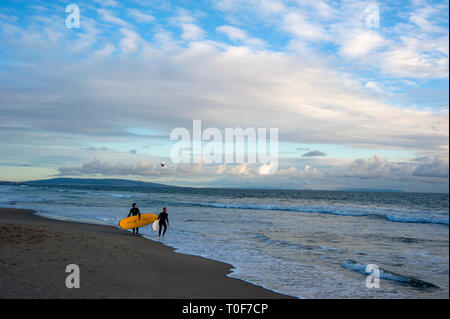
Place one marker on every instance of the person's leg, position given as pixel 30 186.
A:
pixel 165 228
pixel 160 226
pixel 134 231
pixel 137 231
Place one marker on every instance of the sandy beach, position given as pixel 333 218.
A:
pixel 35 251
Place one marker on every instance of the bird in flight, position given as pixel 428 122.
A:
pixel 163 164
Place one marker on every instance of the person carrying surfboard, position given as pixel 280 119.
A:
pixel 163 217
pixel 135 211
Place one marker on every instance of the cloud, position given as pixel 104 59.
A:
pixel 88 86
pixel 377 167
pixel 304 97
pixel 130 41
pixel 427 17
pixel 374 167
pixel 144 168
pixel 374 86
pixel 232 32
pixel 236 34
pixel 437 167
pixel 361 44
pixel 149 168
pixel 373 172
pixel 191 32
pixel 321 7
pixel 107 3
pixel 106 50
pixel 105 168
pixel 108 16
pixel 14 164
pixel 416 58
pixel 91 148
pixel 37 8
pixel 314 153
pixel 139 16
pixel 416 48
pixel 297 24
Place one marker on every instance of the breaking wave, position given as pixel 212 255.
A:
pixel 341 211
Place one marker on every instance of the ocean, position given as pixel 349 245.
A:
pixel 304 243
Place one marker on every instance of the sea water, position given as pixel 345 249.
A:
pixel 304 243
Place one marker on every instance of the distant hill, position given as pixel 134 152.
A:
pixel 386 190
pixel 93 182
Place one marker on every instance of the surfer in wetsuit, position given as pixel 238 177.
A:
pixel 163 218
pixel 135 211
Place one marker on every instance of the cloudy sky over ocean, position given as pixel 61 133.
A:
pixel 358 103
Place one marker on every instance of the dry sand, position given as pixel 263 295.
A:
pixel 35 251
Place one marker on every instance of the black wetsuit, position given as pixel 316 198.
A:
pixel 163 217
pixel 134 212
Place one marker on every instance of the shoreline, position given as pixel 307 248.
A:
pixel 113 264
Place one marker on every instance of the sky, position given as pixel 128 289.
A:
pixel 358 90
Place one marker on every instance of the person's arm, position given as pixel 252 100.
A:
pixel 168 224
pixel 139 212
pixel 129 214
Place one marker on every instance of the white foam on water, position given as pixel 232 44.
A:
pixel 296 253
pixel 75 219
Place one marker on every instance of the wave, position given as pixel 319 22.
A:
pixel 96 193
pixel 118 195
pixel 282 243
pixel 77 219
pixel 341 211
pixel 400 219
pixel 388 275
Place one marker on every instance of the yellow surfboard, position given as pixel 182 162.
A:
pixel 135 222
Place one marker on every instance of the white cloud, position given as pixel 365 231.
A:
pixel 130 41
pixel 106 50
pixel 271 6
pixel 310 98
pixel 86 38
pixel 108 16
pixel 435 167
pixel 375 171
pixel 426 16
pixel 321 7
pixel 362 43
pixel 417 58
pixel 379 168
pixel 191 32
pixel 417 48
pixel 140 16
pixel 297 24
pixel 236 34
pixel 374 86
pixel 137 168
pixel 374 167
pixel 107 3
pixel 232 32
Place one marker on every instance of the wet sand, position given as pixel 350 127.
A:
pixel 35 251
